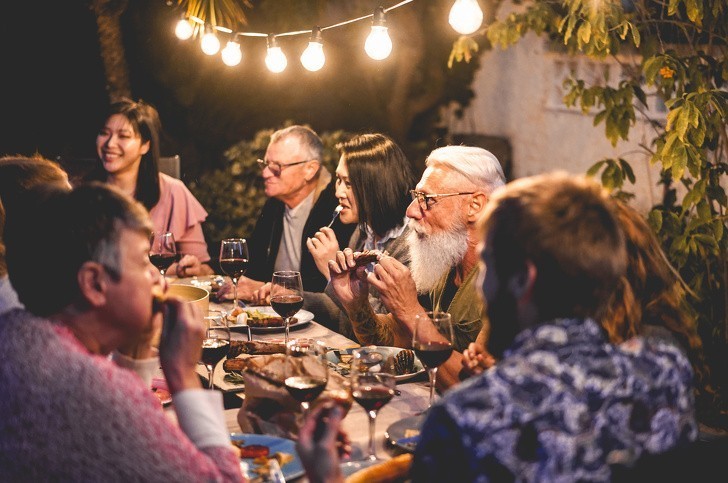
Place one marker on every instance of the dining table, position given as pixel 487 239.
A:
pixel 410 400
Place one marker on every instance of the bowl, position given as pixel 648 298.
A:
pixel 194 295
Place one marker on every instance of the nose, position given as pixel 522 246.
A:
pixel 414 211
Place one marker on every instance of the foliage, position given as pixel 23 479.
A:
pixel 234 194
pixel 681 52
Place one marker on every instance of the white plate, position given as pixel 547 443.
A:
pixel 303 317
pixel 292 470
pixel 340 366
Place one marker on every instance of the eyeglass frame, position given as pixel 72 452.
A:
pixel 277 172
pixel 424 198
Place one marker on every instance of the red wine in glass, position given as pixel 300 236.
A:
pixel 433 354
pixel 432 341
pixel 234 267
pixel 214 350
pixel 373 398
pixel 286 305
pixel 162 261
pixel 305 389
pixel 286 296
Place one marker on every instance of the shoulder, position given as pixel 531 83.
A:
pixel 174 186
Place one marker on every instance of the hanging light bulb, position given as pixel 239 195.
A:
pixel 275 59
pixel 466 17
pixel 210 43
pixel 231 54
pixel 183 30
pixel 313 57
pixel 378 45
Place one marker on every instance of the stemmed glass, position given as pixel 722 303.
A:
pixel 432 342
pixel 162 251
pixel 306 370
pixel 216 343
pixel 234 261
pixel 286 295
pixel 372 385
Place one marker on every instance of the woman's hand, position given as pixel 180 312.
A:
pixel 323 247
pixel 189 266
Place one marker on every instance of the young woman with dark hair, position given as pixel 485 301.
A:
pixel 128 149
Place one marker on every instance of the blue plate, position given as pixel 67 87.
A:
pixel 291 470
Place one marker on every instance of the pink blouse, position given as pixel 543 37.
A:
pixel 179 211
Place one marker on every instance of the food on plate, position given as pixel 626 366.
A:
pixel 404 362
pixel 368 256
pixel 257 318
pixel 393 470
pixel 254 451
pixel 254 347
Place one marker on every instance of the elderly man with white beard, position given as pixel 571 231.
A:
pixel 446 205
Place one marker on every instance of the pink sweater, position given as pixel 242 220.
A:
pixel 179 211
pixel 68 415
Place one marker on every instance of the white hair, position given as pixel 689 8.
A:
pixel 478 166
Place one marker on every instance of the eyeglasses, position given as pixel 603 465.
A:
pixel 276 167
pixel 425 201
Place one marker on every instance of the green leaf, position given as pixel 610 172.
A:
pixel 627 170
pixel 635 35
pixel 640 94
pixel 679 162
pixel 595 168
pixel 584 33
pixel 655 219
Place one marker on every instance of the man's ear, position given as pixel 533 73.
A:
pixel 521 283
pixel 311 168
pixel 93 283
pixel 476 206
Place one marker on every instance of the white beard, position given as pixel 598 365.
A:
pixel 434 255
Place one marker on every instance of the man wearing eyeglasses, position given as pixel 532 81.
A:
pixel 446 206
pixel 300 201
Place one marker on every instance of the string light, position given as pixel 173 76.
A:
pixel 313 57
pixel 231 54
pixel 184 29
pixel 378 45
pixel 466 17
pixel 275 59
pixel 210 43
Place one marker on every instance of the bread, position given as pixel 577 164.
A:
pixel 366 257
pixel 390 471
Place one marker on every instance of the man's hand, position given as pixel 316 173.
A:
pixel 189 266
pixel 262 295
pixel 476 359
pixel 348 281
pixel 323 247
pixel 397 289
pixel 317 444
pixel 247 288
pixel 180 347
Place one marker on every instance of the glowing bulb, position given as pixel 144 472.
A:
pixel 466 17
pixel 275 59
pixel 378 45
pixel 313 57
pixel 183 30
pixel 231 54
pixel 210 43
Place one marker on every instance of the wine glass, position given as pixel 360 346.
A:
pixel 234 261
pixel 286 295
pixel 372 385
pixel 432 342
pixel 216 343
pixel 306 370
pixel 162 251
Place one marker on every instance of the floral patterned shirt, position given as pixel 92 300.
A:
pixel 562 405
